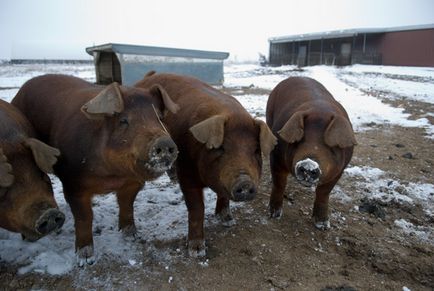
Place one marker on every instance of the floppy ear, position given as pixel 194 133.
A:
pixel 339 133
pixel 293 130
pixel 267 140
pixel 6 177
pixel 44 155
pixel 210 131
pixel 108 102
pixel 158 90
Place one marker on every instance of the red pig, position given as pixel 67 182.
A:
pixel 219 145
pixel 27 203
pixel 315 142
pixel 111 139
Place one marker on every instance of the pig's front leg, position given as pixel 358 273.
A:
pixel 126 197
pixel 320 212
pixel 81 208
pixel 223 212
pixel 279 177
pixel 196 212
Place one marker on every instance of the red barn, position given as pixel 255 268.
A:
pixel 398 46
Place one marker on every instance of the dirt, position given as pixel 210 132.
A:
pixel 364 250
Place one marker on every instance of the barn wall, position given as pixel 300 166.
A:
pixel 408 48
pixel 401 48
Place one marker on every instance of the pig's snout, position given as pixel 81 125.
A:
pixel 50 220
pixel 162 154
pixel 243 189
pixel 307 172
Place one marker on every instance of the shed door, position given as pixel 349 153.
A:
pixel 345 55
pixel 301 58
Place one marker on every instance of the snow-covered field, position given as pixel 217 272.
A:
pixel 159 209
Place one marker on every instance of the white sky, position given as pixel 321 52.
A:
pixel 62 29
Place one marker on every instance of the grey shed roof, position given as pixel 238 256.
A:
pixel 156 51
pixel 345 33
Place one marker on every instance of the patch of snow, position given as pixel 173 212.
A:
pixel 395 70
pixel 254 104
pixel 377 186
pixel 412 90
pixel 17 75
pixel 421 232
pixel 361 108
pixel 366 172
pixel 8 94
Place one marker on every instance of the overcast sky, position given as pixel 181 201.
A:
pixel 60 29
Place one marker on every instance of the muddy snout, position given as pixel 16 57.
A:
pixel 307 172
pixel 162 154
pixel 243 189
pixel 51 220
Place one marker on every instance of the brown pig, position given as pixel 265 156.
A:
pixel 27 203
pixel 219 146
pixel 111 139
pixel 315 142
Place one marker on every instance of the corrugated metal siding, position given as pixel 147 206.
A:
pixel 408 48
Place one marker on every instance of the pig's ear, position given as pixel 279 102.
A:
pixel 108 102
pixel 44 155
pixel 210 131
pixel 293 130
pixel 158 90
pixel 6 177
pixel 267 140
pixel 339 133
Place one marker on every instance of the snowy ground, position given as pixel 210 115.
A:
pixel 159 208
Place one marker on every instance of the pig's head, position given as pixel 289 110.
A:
pixel 136 143
pixel 230 159
pixel 318 141
pixel 27 203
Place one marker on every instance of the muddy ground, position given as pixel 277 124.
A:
pixel 362 251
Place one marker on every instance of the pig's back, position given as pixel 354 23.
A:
pixel 49 100
pixel 298 94
pixel 193 95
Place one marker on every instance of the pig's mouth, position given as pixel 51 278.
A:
pixel 30 237
pixel 157 165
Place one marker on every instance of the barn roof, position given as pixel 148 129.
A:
pixel 345 33
pixel 156 51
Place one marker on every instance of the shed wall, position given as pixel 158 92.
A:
pixel 408 48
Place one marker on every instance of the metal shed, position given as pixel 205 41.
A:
pixel 403 46
pixel 127 64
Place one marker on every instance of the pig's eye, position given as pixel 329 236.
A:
pixel 124 122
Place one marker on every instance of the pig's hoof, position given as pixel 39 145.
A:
pixel 196 248
pixel 276 213
pixel 322 225
pixel 85 256
pixel 226 218
pixel 130 233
